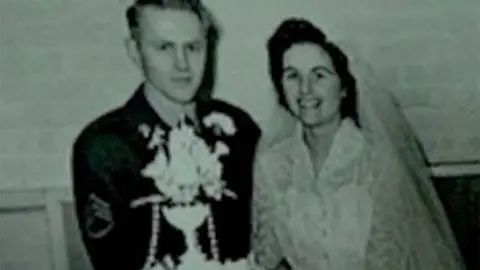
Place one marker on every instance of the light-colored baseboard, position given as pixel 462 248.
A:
pixel 49 201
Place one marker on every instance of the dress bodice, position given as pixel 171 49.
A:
pixel 318 218
pixel 363 210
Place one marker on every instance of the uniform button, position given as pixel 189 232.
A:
pixel 324 233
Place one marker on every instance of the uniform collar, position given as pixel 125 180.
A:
pixel 139 110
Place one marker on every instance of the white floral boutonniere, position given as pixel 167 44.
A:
pixel 219 121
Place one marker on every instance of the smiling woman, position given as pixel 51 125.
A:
pixel 311 85
pixel 340 193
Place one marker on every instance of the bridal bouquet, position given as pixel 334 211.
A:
pixel 192 167
pixel 188 174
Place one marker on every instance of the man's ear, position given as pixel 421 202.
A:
pixel 132 50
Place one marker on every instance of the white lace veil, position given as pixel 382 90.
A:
pixel 385 124
pixel 384 121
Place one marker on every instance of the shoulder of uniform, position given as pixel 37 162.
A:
pixel 103 131
pixel 241 117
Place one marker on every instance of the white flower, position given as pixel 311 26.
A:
pixel 200 151
pixel 144 129
pixel 221 149
pixel 156 138
pixel 186 194
pixel 182 163
pixel 167 186
pixel 213 188
pixel 156 168
pixel 222 120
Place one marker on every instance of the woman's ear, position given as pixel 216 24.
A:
pixel 132 50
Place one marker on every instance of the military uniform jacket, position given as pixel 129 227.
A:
pixel 107 159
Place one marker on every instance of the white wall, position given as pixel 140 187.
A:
pixel 63 64
pixel 28 248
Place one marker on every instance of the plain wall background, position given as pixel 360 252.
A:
pixel 63 63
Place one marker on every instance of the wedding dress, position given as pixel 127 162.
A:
pixel 372 206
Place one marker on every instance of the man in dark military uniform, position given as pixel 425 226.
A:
pixel 172 42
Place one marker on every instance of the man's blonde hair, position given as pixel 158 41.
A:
pixel 196 6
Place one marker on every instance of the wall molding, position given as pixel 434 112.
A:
pixel 50 201
pixel 454 170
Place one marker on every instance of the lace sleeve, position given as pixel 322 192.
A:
pixel 265 245
pixel 388 246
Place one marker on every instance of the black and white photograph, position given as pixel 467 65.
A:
pixel 240 135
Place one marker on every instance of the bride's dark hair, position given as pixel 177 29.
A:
pixel 296 31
